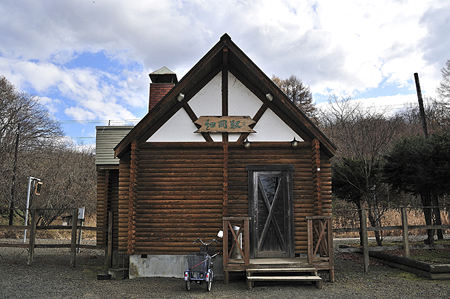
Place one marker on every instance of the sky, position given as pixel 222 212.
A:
pixel 88 60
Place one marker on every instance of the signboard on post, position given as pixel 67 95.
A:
pixel 81 213
pixel 37 189
pixel 225 124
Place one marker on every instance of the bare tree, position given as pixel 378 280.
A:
pixel 361 136
pixel 299 94
pixel 437 115
pixel 24 125
pixel 444 87
pixel 69 177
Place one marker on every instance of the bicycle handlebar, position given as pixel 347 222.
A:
pixel 205 243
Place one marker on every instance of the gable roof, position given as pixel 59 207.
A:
pixel 224 54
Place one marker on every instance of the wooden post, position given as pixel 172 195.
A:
pixel 331 247
pixel 109 249
pixel 247 242
pixel 32 237
pixel 226 277
pixel 310 241
pixel 365 240
pixel 421 109
pixel 405 232
pixel 73 245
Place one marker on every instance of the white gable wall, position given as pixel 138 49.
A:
pixel 179 128
pixel 241 101
pixel 272 128
pixel 208 102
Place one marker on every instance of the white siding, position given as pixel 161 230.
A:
pixel 107 138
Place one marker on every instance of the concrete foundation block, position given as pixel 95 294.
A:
pixel 166 266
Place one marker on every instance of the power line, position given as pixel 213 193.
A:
pixel 90 121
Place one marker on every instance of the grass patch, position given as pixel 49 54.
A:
pixel 434 256
pixel 410 276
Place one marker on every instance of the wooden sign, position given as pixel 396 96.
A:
pixel 225 124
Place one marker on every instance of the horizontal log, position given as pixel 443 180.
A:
pixel 180 196
pixel 14 227
pixel 179 178
pixel 231 145
pixel 277 156
pixel 174 231
pixel 176 241
pixel 208 214
pixel 18 245
pixel 173 222
pixel 183 206
pixel 190 221
pixel 186 194
pixel 188 187
pixel 184 171
pixel 175 202
pixel 194 165
pixel 52 245
pixel 181 156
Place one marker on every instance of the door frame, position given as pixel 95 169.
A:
pixel 252 194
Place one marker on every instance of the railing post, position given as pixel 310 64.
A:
pixel 110 240
pixel 331 247
pixel 365 240
pixel 310 240
pixel 73 245
pixel 247 242
pixel 32 237
pixel 226 277
pixel 405 232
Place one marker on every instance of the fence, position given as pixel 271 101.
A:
pixel 404 227
pixel 32 227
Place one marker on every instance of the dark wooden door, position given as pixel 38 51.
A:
pixel 271 209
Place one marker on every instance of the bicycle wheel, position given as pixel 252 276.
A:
pixel 188 285
pixel 209 283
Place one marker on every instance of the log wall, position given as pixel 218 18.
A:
pixel 180 192
pixel 179 198
pixel 107 200
pixel 124 190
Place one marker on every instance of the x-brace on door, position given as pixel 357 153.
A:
pixel 271 209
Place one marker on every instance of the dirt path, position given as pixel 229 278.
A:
pixel 51 277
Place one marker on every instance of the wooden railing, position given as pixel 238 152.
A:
pixel 405 228
pixel 243 224
pixel 320 238
pixel 32 227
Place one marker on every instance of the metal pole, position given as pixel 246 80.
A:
pixel 28 205
pixel 30 179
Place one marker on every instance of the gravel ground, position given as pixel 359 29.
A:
pixel 51 277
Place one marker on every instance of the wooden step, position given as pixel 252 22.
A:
pixel 282 274
pixel 282 270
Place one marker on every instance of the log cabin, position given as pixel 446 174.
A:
pixel 221 149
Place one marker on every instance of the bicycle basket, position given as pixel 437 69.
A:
pixel 198 262
pixel 211 249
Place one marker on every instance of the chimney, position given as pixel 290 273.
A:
pixel 162 81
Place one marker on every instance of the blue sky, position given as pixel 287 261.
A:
pixel 88 61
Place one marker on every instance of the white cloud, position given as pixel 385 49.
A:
pixel 50 104
pixel 382 104
pixel 335 47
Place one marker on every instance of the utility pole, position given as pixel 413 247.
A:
pixel 13 182
pixel 30 180
pixel 421 109
pixel 434 198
